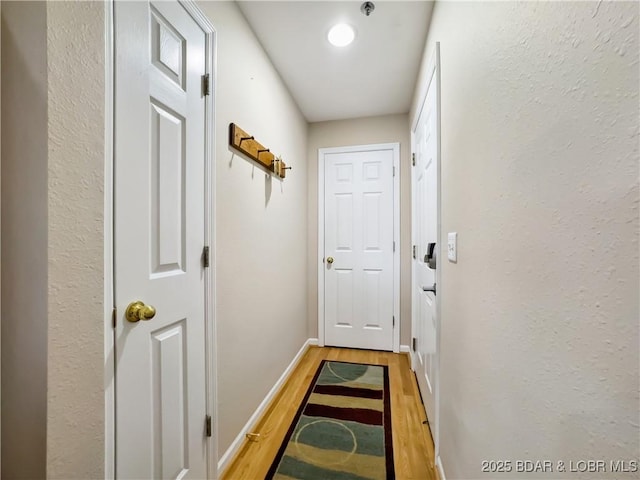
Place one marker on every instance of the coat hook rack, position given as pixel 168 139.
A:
pixel 247 145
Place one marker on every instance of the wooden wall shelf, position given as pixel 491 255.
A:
pixel 247 145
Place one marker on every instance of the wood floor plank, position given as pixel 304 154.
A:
pixel 412 443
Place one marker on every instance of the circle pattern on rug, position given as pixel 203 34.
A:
pixel 347 372
pixel 339 457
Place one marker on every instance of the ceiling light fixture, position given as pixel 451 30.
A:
pixel 341 35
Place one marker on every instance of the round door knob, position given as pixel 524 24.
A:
pixel 329 260
pixel 137 311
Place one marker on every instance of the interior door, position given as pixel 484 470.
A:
pixel 425 235
pixel 358 243
pixel 159 193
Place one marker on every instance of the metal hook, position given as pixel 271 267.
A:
pixel 242 139
pixel 260 151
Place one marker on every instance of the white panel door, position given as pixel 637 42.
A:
pixel 358 243
pixel 159 194
pixel 425 232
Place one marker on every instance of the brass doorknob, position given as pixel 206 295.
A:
pixel 329 260
pixel 137 311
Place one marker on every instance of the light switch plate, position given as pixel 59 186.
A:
pixel 452 247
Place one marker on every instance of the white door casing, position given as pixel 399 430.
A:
pixel 162 191
pixel 425 180
pixel 358 247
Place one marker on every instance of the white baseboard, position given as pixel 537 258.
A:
pixel 440 468
pixel 405 349
pixel 238 441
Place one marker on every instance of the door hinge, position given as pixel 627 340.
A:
pixel 394 171
pixel 206 89
pixel 205 257
pixel 394 246
pixel 413 159
pixel 394 321
pixel 208 425
pixel 414 252
pixel 413 343
pixel 113 317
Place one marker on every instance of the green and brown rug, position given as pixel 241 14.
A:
pixel 342 430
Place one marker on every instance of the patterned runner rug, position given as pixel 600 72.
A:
pixel 342 430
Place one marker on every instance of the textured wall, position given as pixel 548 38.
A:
pixel 24 239
pixel 75 409
pixel 362 131
pixel 262 226
pixel 540 180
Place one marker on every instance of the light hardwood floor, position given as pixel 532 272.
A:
pixel 412 445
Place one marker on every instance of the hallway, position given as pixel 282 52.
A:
pixel 412 444
pixel 538 294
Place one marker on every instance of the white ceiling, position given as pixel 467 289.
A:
pixel 375 75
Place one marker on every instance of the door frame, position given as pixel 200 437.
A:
pixel 432 73
pixel 395 148
pixel 211 376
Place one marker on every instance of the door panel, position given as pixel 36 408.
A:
pixel 373 298
pixel 358 285
pixel 344 222
pixel 344 298
pixel 159 235
pixel 169 376
pixel 167 191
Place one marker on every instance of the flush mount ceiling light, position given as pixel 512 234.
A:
pixel 341 35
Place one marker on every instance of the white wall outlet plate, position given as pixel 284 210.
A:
pixel 452 247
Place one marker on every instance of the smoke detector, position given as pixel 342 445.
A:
pixel 367 7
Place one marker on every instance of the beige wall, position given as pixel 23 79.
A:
pixel 24 239
pixel 361 131
pixel 76 132
pixel 539 342
pixel 52 249
pixel 261 241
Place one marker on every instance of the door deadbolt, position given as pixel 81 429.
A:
pixel 430 257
